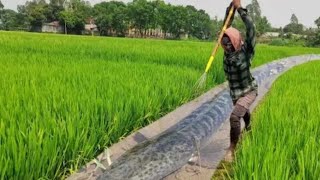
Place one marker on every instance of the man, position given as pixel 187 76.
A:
pixel 237 61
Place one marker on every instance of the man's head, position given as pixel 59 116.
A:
pixel 231 40
pixel 227 44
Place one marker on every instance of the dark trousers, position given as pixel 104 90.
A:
pixel 241 110
pixel 235 126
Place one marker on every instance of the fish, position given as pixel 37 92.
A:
pixel 156 158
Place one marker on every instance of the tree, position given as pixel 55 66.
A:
pixel 191 20
pixel 201 26
pixel 261 22
pixel 164 18
pixel 69 18
pixel 263 25
pixel 313 36
pixel 120 20
pixel 1 12
pixel 57 2
pixel 197 23
pixel 54 9
pixel 1 6
pixel 178 21
pixel 313 39
pixel 294 26
pixel 111 16
pixel 155 20
pixel 141 15
pixel 317 22
pixel 36 11
pixel 254 10
pixel 294 19
pixel 22 18
pixel 216 25
pixel 9 20
pixel 75 14
pixel 103 17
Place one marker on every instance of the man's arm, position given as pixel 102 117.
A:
pixel 250 28
pixel 226 16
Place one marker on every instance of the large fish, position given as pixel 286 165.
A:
pixel 165 154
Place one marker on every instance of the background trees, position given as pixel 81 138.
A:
pixel 143 17
pixel 294 26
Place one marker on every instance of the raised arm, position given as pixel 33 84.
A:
pixel 250 29
pixel 226 16
pixel 250 41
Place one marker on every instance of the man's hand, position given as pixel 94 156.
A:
pixel 236 3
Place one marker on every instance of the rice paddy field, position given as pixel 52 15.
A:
pixel 63 99
pixel 285 139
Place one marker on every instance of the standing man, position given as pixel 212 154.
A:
pixel 238 55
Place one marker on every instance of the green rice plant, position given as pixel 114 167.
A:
pixel 63 99
pixel 284 141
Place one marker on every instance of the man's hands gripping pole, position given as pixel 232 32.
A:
pixel 236 4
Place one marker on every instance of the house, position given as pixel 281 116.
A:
pixel 53 27
pixel 270 35
pixel 90 27
pixel 148 33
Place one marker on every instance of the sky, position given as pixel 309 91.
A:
pixel 278 12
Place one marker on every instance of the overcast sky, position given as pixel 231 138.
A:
pixel 278 12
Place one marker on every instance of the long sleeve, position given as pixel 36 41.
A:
pixel 226 16
pixel 250 41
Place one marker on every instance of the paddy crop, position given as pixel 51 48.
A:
pixel 63 99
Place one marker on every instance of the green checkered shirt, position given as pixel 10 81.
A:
pixel 237 65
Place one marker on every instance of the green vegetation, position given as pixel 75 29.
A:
pixel 284 141
pixel 116 18
pixel 64 98
pixel 142 18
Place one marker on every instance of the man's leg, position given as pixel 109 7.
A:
pixel 246 119
pixel 235 125
pixel 246 102
pixel 241 110
pixel 235 130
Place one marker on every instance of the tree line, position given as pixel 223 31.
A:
pixel 115 18
pixel 111 18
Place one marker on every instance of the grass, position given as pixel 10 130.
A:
pixel 284 141
pixel 65 98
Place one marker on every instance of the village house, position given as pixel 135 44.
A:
pixel 53 27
